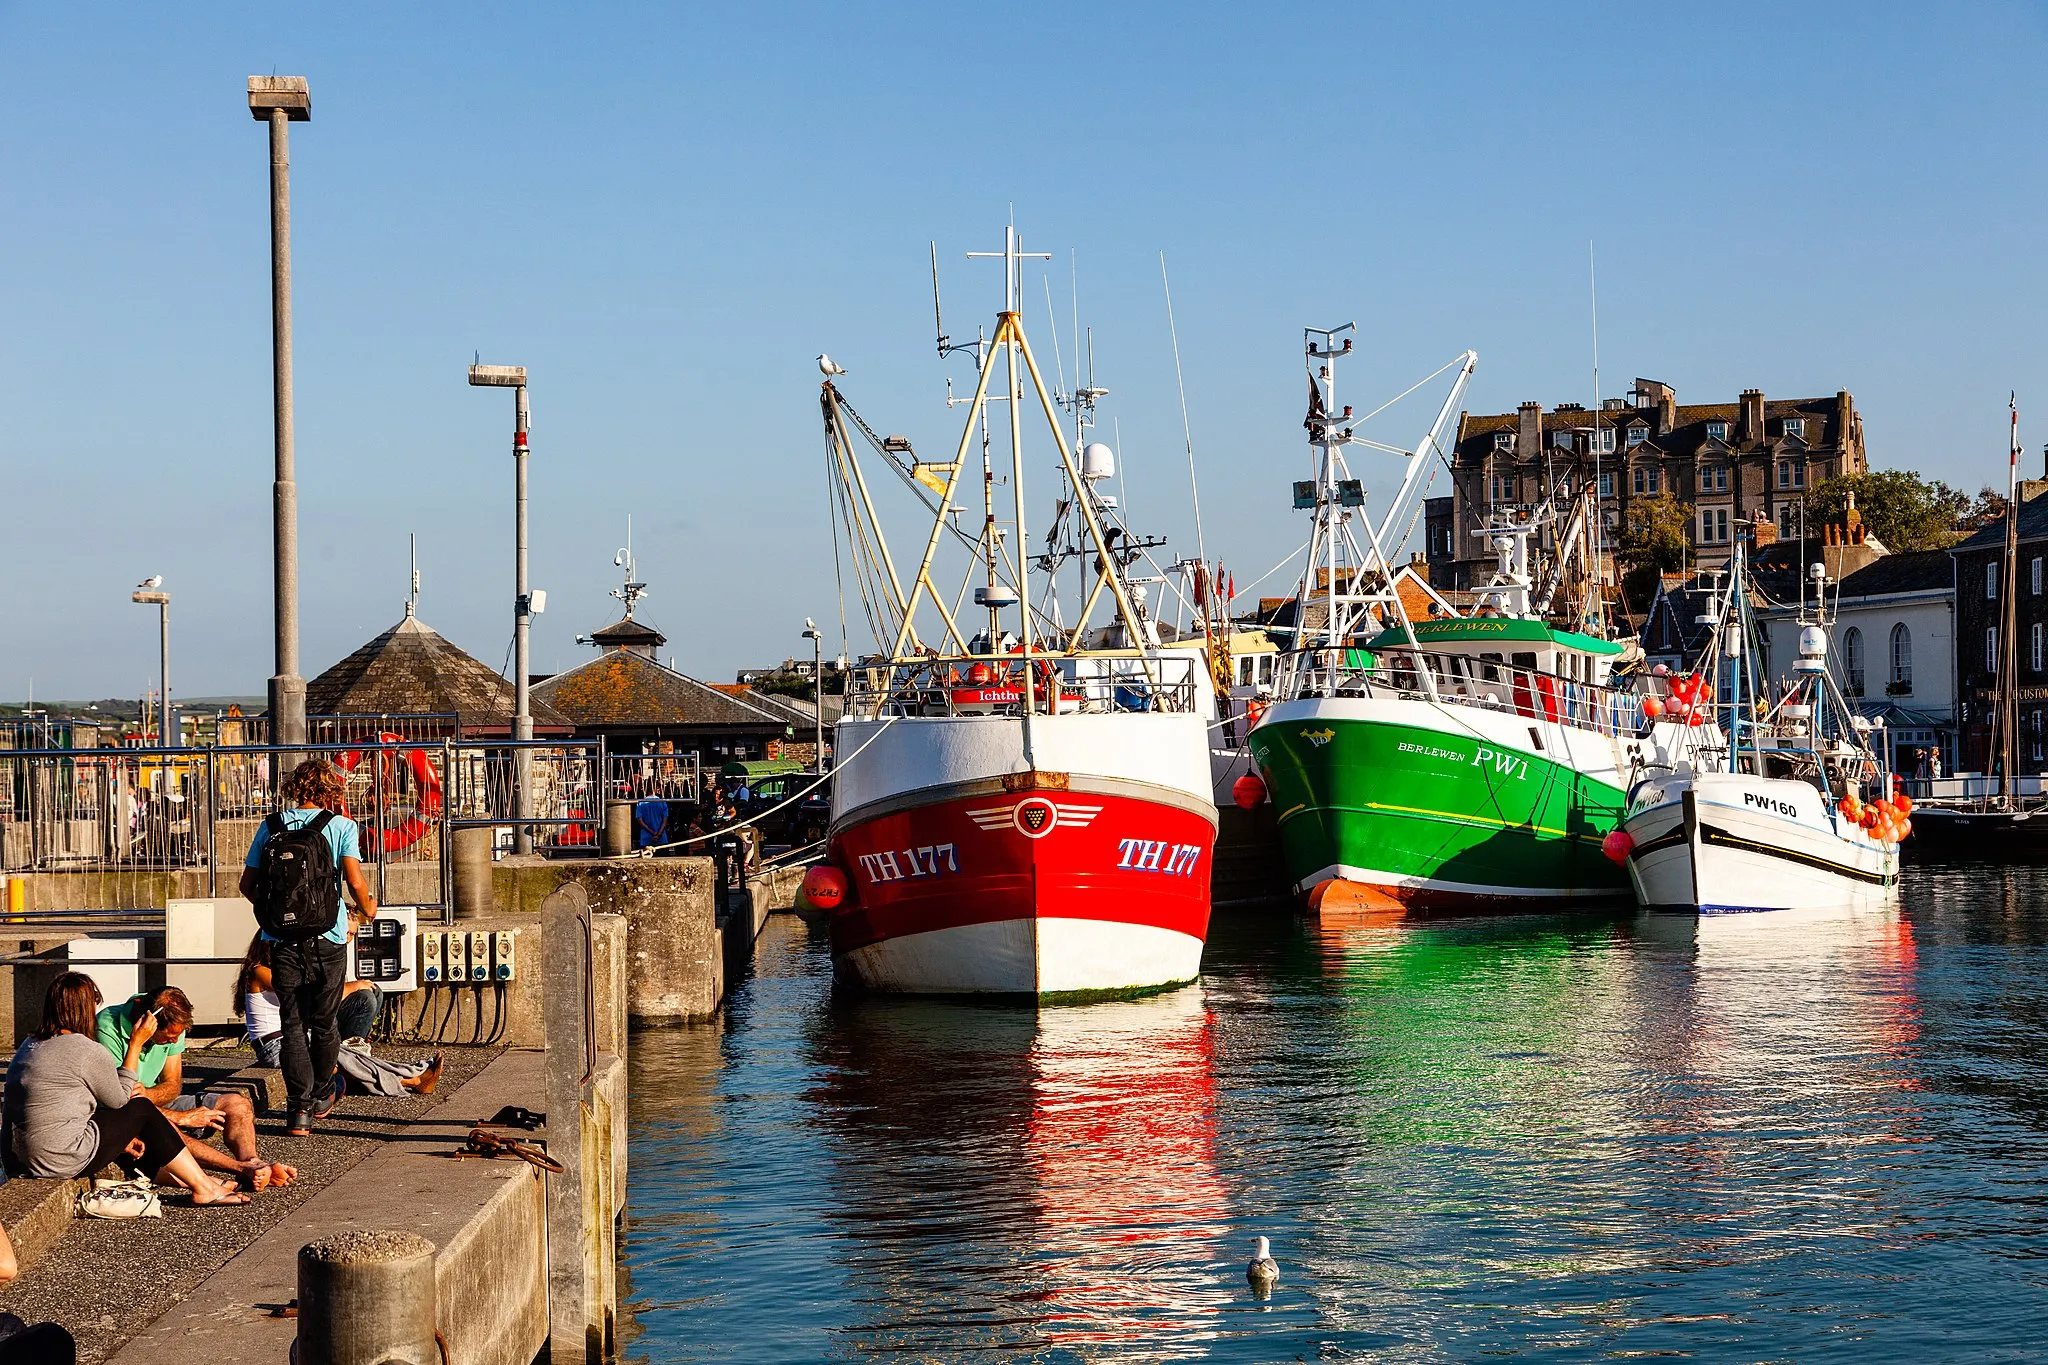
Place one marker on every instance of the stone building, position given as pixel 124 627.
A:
pixel 1749 460
pixel 1979 602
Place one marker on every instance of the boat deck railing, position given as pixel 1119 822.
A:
pixel 1083 684
pixel 1463 681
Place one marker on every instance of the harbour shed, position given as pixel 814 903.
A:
pixel 411 681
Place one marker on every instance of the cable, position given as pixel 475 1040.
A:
pixel 752 820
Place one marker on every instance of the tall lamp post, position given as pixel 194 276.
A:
pixel 281 101
pixel 514 377
pixel 145 595
pixel 817 639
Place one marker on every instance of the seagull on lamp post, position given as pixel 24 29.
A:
pixel 153 581
pixel 828 368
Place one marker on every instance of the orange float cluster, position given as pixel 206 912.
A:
pixel 1885 821
pixel 1685 706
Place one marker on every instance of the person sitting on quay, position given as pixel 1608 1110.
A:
pixel 68 1110
pixel 160 1078
pixel 308 975
pixel 256 1000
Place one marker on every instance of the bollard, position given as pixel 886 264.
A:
pixel 473 871
pixel 367 1298
pixel 17 897
pixel 618 828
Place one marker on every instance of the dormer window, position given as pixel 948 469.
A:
pixel 1796 426
pixel 1717 431
pixel 1604 440
pixel 1503 440
pixel 1561 439
pixel 1638 434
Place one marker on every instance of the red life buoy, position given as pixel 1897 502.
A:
pixel 426 793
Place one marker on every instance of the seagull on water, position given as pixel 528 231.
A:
pixel 1264 1271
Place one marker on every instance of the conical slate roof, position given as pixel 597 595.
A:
pixel 411 670
pixel 627 633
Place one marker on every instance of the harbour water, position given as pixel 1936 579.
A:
pixel 1552 1138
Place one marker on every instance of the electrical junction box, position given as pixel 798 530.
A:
pixel 457 958
pixel 479 957
pixel 432 972
pixel 385 951
pixel 501 955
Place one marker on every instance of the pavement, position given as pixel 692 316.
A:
pixel 109 1281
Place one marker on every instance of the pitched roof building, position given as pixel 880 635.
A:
pixel 1747 460
pixel 411 674
pixel 635 702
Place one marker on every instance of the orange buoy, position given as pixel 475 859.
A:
pixel 1248 791
pixel 1652 708
pixel 1617 845
pixel 825 886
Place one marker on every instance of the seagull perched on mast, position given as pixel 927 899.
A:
pixel 153 581
pixel 827 368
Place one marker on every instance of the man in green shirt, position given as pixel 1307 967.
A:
pixel 161 1075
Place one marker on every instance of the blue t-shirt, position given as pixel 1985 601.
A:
pixel 342 837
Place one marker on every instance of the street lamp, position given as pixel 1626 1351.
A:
pixel 281 101
pixel 146 595
pixel 523 600
pixel 817 640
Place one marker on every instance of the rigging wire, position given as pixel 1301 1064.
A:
pixel 1187 430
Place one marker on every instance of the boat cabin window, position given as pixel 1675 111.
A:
pixel 1489 667
pixel 1524 658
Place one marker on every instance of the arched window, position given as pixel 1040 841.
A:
pixel 1852 661
pixel 1902 658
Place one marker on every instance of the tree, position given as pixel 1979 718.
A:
pixel 1902 509
pixel 1655 538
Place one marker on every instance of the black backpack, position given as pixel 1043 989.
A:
pixel 299 891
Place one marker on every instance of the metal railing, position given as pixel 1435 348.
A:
pixel 139 826
pixel 1091 684
pixel 1467 681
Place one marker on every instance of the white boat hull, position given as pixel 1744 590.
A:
pixel 1731 843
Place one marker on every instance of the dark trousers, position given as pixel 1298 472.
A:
pixel 138 1118
pixel 308 978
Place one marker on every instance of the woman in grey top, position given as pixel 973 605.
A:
pixel 69 1111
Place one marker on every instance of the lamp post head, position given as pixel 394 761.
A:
pixel 151 599
pixel 497 376
pixel 288 93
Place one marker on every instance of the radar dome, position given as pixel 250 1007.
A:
pixel 1098 461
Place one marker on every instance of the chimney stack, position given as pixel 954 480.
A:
pixel 1753 414
pixel 1529 437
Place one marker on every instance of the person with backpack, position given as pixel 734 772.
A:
pixel 298 862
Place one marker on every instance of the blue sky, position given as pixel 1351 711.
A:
pixel 667 211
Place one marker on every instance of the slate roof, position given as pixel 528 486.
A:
pixel 628 633
pixel 621 688
pixel 1686 438
pixel 1915 572
pixel 2033 526
pixel 412 670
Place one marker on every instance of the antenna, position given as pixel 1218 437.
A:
pixel 938 318
pixel 629 591
pixel 413 557
pixel 1599 512
pixel 1187 432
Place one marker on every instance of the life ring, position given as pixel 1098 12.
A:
pixel 426 788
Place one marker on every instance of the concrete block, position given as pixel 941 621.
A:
pixel 582 1231
pixel 264 1085
pixel 36 1212
pixel 774 889
pixel 675 969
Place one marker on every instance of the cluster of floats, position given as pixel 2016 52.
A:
pixel 1030 769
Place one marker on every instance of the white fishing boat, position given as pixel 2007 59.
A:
pixel 1023 804
pixel 1784 805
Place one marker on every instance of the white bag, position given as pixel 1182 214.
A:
pixel 135 1198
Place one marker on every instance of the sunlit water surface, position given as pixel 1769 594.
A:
pixel 1558 1138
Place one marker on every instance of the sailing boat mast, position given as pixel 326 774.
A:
pixel 2008 631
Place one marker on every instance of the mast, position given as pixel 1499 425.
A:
pixel 2008 649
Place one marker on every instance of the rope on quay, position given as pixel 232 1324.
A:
pixel 751 820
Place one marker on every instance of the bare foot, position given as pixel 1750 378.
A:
pixel 282 1175
pixel 424 1083
pixel 214 1192
pixel 259 1175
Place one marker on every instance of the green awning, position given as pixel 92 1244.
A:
pixel 1483 629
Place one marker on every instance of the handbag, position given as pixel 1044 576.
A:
pixel 135 1198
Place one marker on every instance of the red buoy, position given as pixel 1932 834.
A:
pixel 1617 845
pixel 1652 707
pixel 825 886
pixel 1248 791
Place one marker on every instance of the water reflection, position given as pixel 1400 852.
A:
pixel 1750 1137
